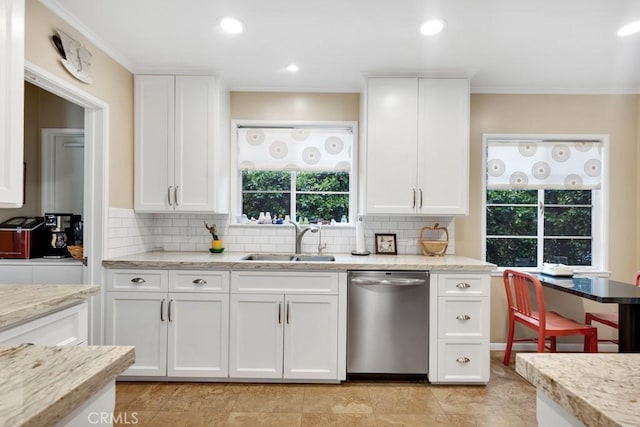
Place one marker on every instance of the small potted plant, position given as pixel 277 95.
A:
pixel 216 243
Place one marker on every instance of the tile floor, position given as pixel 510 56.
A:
pixel 507 400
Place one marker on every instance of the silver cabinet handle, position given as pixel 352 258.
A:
pixel 287 313
pixel 170 305
pixel 463 359
pixel 421 198
pixel 138 280
pixel 414 198
pixel 199 282
pixel 463 285
pixel 175 195
pixel 169 195
pixel 279 313
pixel 463 317
pixel 162 310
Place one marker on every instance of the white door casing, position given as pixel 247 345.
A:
pixel 96 202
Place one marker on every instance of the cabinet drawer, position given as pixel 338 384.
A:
pixel 463 317
pixel 199 281
pixel 289 282
pixel 65 327
pixel 137 280
pixel 463 362
pixel 464 284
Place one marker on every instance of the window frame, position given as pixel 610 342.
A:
pixel 600 200
pixel 236 173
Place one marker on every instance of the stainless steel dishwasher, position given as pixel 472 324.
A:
pixel 388 323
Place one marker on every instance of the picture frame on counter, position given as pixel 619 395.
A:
pixel 386 244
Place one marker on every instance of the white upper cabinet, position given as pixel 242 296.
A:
pixel 174 143
pixel 11 102
pixel 417 150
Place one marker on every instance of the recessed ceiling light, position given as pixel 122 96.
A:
pixel 293 68
pixel 231 25
pixel 629 29
pixel 431 27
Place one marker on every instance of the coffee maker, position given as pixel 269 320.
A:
pixel 64 229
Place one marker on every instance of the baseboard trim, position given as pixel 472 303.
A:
pixel 567 347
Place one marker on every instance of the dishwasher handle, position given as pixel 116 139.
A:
pixel 379 281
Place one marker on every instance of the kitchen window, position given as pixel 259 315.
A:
pixel 303 171
pixel 545 200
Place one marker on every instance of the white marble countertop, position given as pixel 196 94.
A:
pixel 343 262
pixel 22 303
pixel 598 389
pixel 40 386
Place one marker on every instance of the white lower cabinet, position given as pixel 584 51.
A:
pixel 291 329
pixel 65 327
pixel 176 334
pixel 460 328
pixel 24 272
pixel 284 336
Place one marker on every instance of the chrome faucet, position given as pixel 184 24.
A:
pixel 300 232
pixel 321 247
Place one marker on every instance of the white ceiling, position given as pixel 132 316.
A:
pixel 529 46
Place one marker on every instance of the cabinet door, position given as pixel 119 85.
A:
pixel 139 319
pixel 16 274
pixel 198 335
pixel 12 96
pixel 391 149
pixel 194 143
pixel 443 147
pixel 311 337
pixel 255 337
pixel 154 143
pixel 61 274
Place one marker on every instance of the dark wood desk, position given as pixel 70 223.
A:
pixel 626 295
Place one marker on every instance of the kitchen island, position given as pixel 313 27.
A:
pixel 589 389
pixel 47 373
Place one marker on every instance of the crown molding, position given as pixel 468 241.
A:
pixel 88 34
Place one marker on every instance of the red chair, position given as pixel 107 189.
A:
pixel 519 287
pixel 609 319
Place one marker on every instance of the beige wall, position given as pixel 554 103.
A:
pixel 42 110
pixel 112 83
pixel 617 116
pixel 295 106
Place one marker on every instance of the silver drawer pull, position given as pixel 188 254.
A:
pixel 463 359
pixel 463 285
pixel 199 282
pixel 463 317
pixel 138 280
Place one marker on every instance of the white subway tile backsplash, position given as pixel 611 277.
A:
pixel 130 233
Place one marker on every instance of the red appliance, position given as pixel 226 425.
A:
pixel 22 237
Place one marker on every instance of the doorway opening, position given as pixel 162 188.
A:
pixel 95 191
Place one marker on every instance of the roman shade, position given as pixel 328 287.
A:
pixel 298 149
pixel 555 165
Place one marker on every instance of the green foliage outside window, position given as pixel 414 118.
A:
pixel 316 195
pixel 512 223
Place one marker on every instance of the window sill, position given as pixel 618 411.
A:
pixel 340 226
pixel 578 271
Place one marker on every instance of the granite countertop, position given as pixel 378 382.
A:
pixel 22 303
pixel 598 389
pixel 40 386
pixel 343 262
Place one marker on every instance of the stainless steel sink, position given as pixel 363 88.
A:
pixel 269 257
pixel 321 258
pixel 288 257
